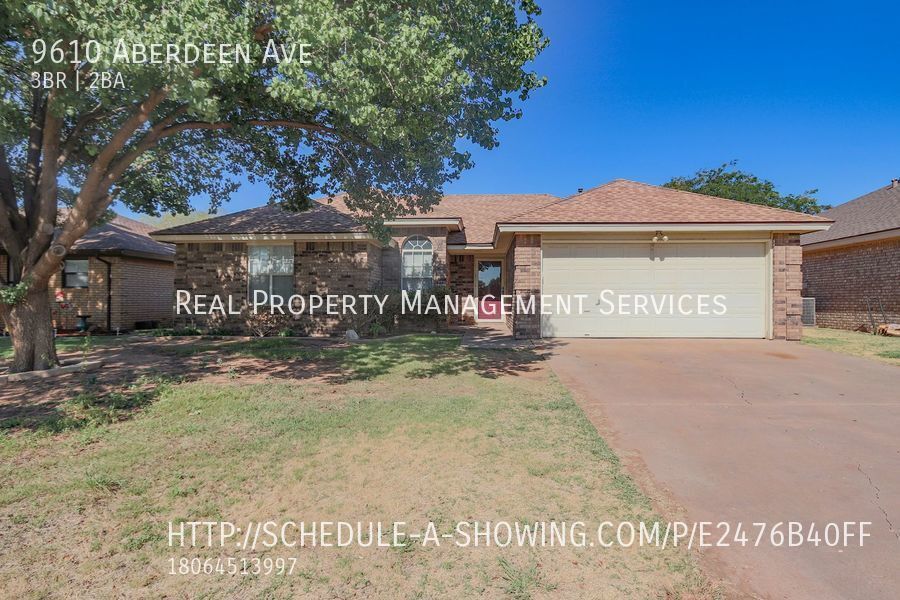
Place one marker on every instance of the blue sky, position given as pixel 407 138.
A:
pixel 806 94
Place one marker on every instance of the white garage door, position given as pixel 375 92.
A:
pixel 703 278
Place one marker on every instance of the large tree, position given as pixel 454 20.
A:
pixel 390 93
pixel 727 181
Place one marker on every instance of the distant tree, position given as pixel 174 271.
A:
pixel 172 220
pixel 727 181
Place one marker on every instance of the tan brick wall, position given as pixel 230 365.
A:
pixel 523 261
pixel 841 279
pixel 145 292
pixel 91 300
pixel 787 283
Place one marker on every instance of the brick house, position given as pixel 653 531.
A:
pixel 853 269
pixel 623 238
pixel 116 274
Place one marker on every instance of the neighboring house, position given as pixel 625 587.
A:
pixel 853 269
pixel 624 236
pixel 117 275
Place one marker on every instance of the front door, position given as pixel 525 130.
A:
pixel 489 290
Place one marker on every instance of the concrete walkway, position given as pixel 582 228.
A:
pixel 492 335
pixel 757 431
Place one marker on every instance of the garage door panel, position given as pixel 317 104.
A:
pixel 736 271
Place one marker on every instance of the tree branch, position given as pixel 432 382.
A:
pixel 35 146
pixel 91 196
pixel 10 220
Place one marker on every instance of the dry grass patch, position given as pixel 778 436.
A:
pixel 415 430
pixel 856 343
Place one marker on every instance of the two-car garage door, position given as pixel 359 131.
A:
pixel 666 289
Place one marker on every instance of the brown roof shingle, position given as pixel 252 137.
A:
pixel 871 213
pixel 122 234
pixel 320 218
pixel 623 201
pixel 479 212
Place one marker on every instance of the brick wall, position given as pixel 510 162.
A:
pixel 91 300
pixel 390 257
pixel 212 269
pixel 841 279
pixel 332 268
pixel 461 281
pixel 787 258
pixel 319 268
pixel 523 261
pixel 141 291
pixel 144 292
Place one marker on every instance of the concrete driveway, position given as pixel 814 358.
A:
pixel 757 431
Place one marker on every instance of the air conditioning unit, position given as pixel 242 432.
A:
pixel 808 316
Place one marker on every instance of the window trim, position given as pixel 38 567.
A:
pixel 404 251
pixel 87 274
pixel 251 275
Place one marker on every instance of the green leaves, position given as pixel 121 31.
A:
pixel 727 181
pixel 399 86
pixel 11 295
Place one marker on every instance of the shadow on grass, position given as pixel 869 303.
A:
pixel 90 407
pixel 416 356
pixel 137 375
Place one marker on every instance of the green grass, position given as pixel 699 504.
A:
pixel 413 429
pixel 876 347
pixel 65 344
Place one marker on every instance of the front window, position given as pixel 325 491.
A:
pixel 416 259
pixel 75 274
pixel 272 270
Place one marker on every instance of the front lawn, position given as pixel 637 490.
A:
pixel 414 430
pixel 65 344
pixel 877 347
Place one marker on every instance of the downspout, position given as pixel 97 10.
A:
pixel 108 293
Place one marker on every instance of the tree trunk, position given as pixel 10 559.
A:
pixel 31 327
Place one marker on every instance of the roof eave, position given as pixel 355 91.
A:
pixel 780 227
pixel 852 240
pixel 265 237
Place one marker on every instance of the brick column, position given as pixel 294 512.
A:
pixel 787 280
pixel 526 278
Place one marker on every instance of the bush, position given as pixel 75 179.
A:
pixel 264 324
pixel 174 331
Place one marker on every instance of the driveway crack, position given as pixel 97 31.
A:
pixel 878 501
pixel 739 390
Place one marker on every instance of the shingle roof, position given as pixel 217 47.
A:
pixel 321 218
pixel 871 213
pixel 619 201
pixel 122 234
pixel 479 212
pixel 623 201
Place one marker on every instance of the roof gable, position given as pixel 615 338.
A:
pixel 623 201
pixel 874 212
pixel 122 234
pixel 479 213
pixel 320 218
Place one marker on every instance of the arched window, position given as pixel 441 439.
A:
pixel 415 263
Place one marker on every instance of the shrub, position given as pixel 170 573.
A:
pixel 264 324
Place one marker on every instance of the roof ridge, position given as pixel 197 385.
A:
pixel 561 200
pixel 742 202
pixel 246 210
